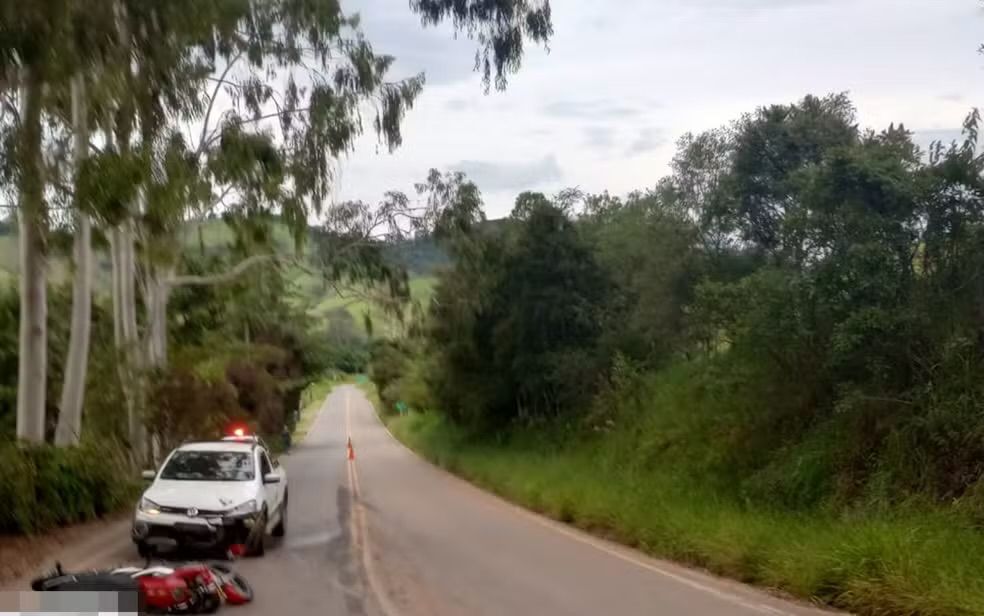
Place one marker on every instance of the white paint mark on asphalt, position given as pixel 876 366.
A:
pixel 307 541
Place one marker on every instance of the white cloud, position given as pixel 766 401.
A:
pixel 511 177
pixel 591 109
pixel 616 71
pixel 647 140
pixel 602 137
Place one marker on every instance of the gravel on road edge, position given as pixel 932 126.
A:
pixel 23 557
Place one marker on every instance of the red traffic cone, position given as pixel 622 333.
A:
pixel 351 450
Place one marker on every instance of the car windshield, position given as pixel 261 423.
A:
pixel 209 466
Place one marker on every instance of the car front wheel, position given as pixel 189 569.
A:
pixel 257 538
pixel 144 550
pixel 281 528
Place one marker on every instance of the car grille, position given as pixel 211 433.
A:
pixel 185 534
pixel 202 513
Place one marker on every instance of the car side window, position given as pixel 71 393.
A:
pixel 265 467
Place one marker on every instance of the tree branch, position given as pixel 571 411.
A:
pixel 216 200
pixel 267 116
pixel 223 277
pixel 211 103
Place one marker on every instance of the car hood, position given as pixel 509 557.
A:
pixel 204 495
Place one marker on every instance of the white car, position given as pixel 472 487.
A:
pixel 213 495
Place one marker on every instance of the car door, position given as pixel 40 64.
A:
pixel 272 492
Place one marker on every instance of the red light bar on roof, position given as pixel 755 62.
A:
pixel 237 431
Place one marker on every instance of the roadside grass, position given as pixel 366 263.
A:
pixel 369 389
pixel 900 563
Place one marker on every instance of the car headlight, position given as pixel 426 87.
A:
pixel 148 506
pixel 246 508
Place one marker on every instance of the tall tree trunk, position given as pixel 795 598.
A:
pixel 116 285
pixel 116 240
pixel 69 426
pixel 32 222
pixel 133 385
pixel 130 364
pixel 158 293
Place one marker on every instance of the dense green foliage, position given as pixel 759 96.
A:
pixel 240 352
pixel 790 323
pixel 42 487
pixel 528 347
pixel 103 406
pixel 791 243
pixel 139 121
pixel 244 351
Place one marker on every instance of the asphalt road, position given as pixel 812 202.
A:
pixel 390 535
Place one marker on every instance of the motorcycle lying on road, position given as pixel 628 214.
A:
pixel 192 588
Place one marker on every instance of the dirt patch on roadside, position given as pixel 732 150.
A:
pixel 23 556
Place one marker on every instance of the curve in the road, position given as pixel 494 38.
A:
pixel 464 551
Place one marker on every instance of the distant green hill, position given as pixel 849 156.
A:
pixel 422 258
pixel 421 290
pixel 419 256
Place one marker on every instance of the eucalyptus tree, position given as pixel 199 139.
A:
pixel 280 100
pixel 244 108
pixel 68 430
pixel 42 46
pixel 500 28
pixel 294 85
pixel 25 64
pixel 275 93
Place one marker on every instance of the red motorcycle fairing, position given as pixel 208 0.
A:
pixel 185 589
pixel 193 588
pixel 169 594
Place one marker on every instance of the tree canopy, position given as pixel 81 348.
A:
pixel 809 277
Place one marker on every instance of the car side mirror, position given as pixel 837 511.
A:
pixel 149 475
pixel 271 478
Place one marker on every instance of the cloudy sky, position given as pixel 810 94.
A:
pixel 623 79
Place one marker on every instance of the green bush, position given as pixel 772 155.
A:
pixel 17 479
pixel 184 407
pixel 43 487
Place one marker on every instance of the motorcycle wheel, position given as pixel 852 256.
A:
pixel 237 590
pixel 234 586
